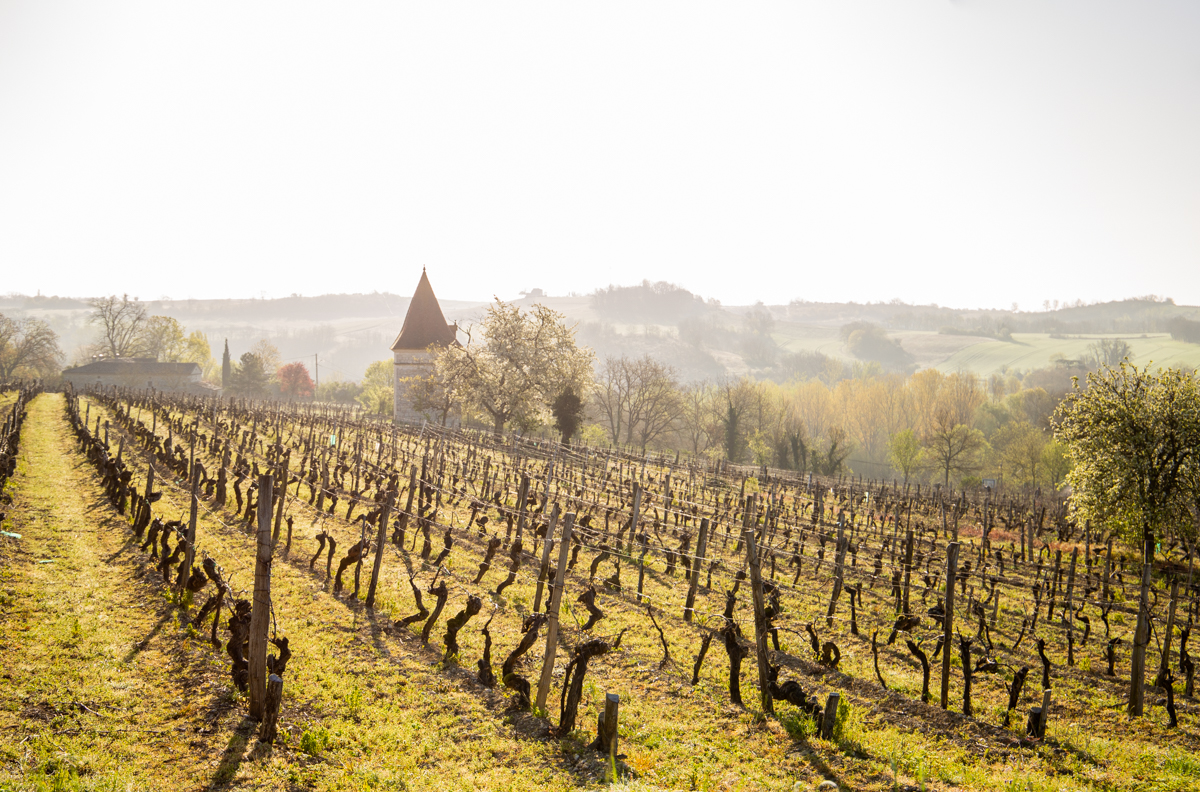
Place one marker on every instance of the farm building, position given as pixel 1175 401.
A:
pixel 424 326
pixel 139 373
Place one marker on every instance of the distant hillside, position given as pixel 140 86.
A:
pixel 700 337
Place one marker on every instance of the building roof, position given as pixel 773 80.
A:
pixel 424 324
pixel 134 366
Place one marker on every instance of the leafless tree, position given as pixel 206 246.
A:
pixel 697 425
pixel 638 399
pixel 27 345
pixel 120 321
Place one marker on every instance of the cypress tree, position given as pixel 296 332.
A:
pixel 226 366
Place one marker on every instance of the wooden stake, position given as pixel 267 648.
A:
pixel 380 540
pixel 760 620
pixel 537 597
pixel 1142 636
pixel 260 613
pixel 701 548
pixel 564 547
pixel 948 622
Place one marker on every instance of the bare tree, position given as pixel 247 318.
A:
pixel 27 345
pixel 638 399
pixel 611 393
pixel 120 321
pixel 952 447
pixel 697 425
pixel 1107 352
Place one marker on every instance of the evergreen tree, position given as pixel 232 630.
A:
pixel 226 366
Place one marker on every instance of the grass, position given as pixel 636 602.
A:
pixel 367 707
pixel 986 356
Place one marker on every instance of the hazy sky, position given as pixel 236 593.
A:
pixel 972 153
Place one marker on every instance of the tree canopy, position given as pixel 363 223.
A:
pixel 521 365
pixel 1134 438
pixel 27 347
pixel 249 378
pixel 294 381
pixel 378 386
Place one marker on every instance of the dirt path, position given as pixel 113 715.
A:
pixel 93 676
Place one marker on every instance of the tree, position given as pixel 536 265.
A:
pixel 249 378
pixel 568 414
pixel 697 425
pixel 951 447
pixel 832 460
pixel 1056 463
pixel 1133 437
pixel 733 399
pixel 338 392
pixel 27 347
pixel 1107 352
pixel 637 398
pixel 431 399
pixel 1019 447
pixel 379 387
pixel 294 381
pixel 162 339
pixel 904 452
pixel 120 322
pixel 522 363
pixel 196 350
pixel 268 353
pixel 226 368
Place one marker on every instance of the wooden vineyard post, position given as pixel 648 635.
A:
pixel 190 554
pixel 149 490
pixel 380 539
pixel 282 499
pixel 560 574
pixel 829 716
pixel 839 561
pixel 522 496
pixel 1137 675
pixel 1104 595
pixel 694 583
pixel 606 728
pixel 1165 664
pixel 1071 608
pixel 260 612
pixel 544 569
pixel 633 522
pixel 274 698
pixel 908 557
pixel 948 623
pixel 760 625
pixel 412 489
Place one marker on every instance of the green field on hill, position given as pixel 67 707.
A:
pixel 984 356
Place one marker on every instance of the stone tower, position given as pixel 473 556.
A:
pixel 424 325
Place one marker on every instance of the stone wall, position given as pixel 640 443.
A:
pixel 409 364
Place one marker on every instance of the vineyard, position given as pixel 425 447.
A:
pixel 363 605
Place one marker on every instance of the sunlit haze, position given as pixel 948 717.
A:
pixel 976 154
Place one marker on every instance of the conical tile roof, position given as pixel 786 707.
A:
pixel 424 324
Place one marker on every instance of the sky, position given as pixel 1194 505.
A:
pixel 978 153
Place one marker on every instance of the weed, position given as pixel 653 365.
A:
pixel 354 701
pixel 76 631
pixel 799 725
pixel 314 741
